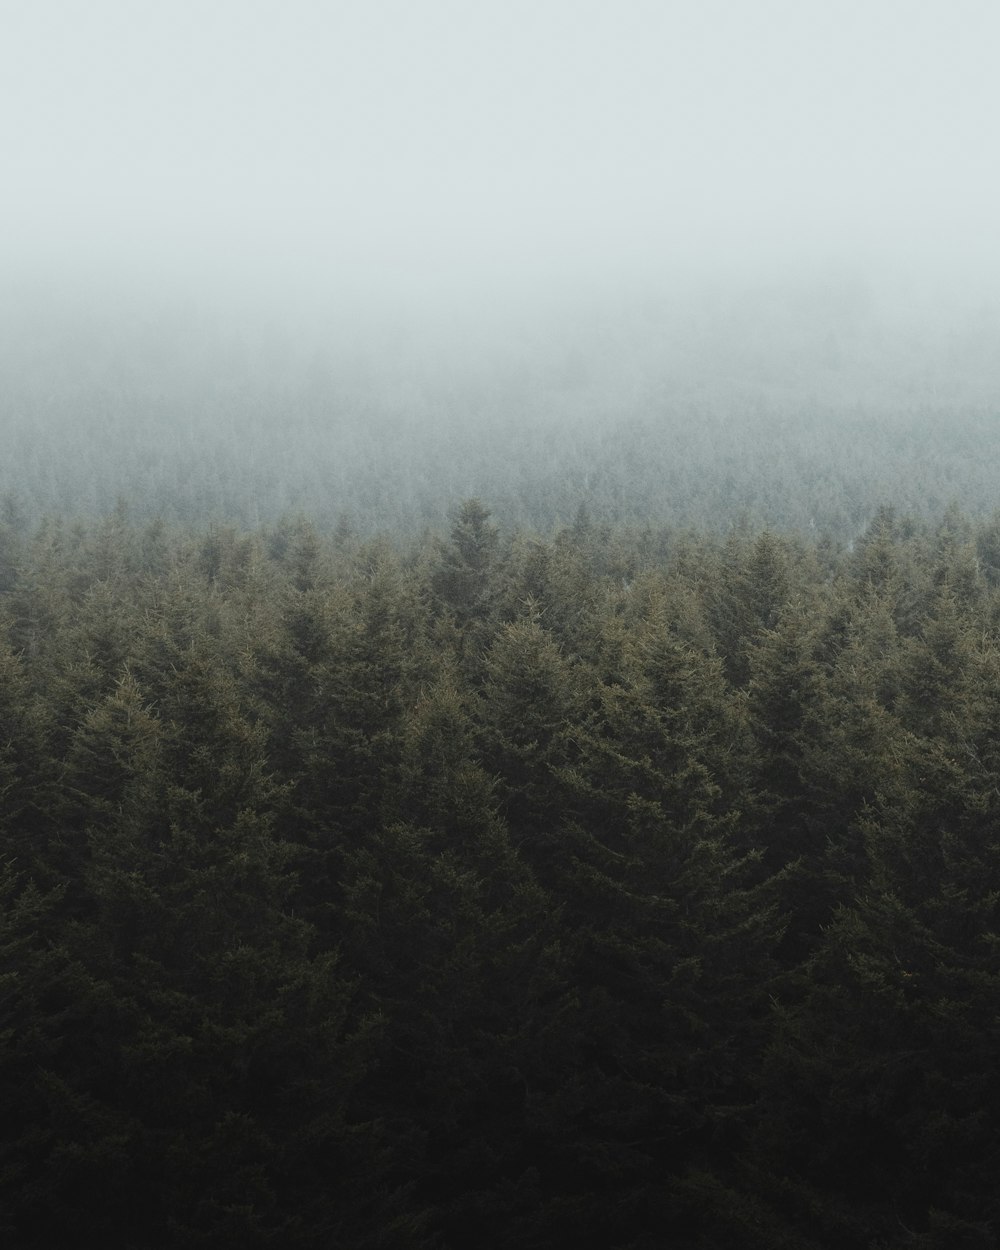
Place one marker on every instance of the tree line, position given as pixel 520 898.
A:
pixel 619 887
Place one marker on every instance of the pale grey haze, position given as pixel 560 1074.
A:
pixel 374 216
pixel 470 142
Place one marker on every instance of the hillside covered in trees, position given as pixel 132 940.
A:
pixel 601 886
pixel 791 405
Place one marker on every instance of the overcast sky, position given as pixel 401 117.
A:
pixel 429 140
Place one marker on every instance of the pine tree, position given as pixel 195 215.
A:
pixel 667 931
pixel 458 951
pixel 529 698
pixel 882 1082
pixel 749 592
pixel 465 580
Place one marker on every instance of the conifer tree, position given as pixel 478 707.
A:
pixel 784 701
pixel 529 697
pixel 465 580
pixel 750 589
pixel 458 951
pixel 668 935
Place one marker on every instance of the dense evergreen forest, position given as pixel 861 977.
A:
pixel 595 885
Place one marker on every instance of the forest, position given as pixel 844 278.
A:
pixel 597 884
pixel 791 405
pixel 499 625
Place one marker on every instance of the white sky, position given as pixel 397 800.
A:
pixel 488 137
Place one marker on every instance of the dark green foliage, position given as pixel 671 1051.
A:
pixel 623 889
pixel 748 596
pixel 462 579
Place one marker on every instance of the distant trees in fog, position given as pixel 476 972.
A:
pixel 656 417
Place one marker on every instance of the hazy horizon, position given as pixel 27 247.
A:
pixel 674 259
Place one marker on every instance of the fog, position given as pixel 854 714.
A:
pixel 442 142
pixel 446 212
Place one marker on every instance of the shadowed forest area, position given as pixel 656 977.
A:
pixel 607 886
